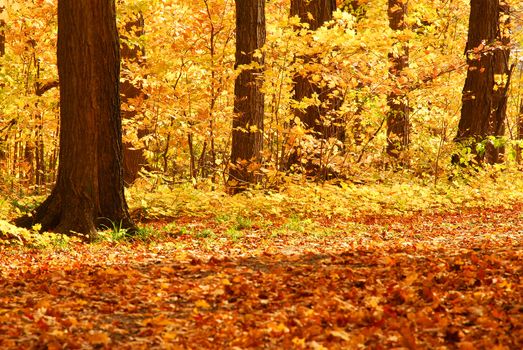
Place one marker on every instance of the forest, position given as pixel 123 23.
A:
pixel 261 174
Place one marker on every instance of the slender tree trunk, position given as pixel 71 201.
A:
pixel 484 100
pixel 40 154
pixel 519 122
pixel 2 30
pixel 398 115
pixel 89 191
pixel 247 134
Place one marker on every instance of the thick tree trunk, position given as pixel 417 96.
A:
pixel 89 190
pixel 398 114
pixel 484 100
pixel 247 134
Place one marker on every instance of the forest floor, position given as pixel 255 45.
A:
pixel 318 280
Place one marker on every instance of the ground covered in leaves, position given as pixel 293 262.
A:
pixel 416 281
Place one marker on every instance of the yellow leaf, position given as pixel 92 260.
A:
pixel 298 342
pixel 202 304
pixel 169 336
pixel 340 333
pixel 98 338
pixel 316 346
pixel 167 270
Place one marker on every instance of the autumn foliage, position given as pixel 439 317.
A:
pixel 182 121
pixel 351 234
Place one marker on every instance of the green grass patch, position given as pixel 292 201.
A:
pixel 296 208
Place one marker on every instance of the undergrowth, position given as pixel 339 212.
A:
pixel 396 194
pixel 294 206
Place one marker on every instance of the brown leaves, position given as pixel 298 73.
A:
pixel 430 281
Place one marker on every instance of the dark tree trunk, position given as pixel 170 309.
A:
pixel 398 114
pixel 89 191
pixel 319 119
pixel 2 33
pixel 247 134
pixel 484 100
pixel 133 157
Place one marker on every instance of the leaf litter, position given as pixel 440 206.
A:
pixel 425 281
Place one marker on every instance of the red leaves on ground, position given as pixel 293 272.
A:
pixel 430 281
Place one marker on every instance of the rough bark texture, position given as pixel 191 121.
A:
pixel 2 32
pixel 398 115
pixel 247 134
pixel 316 118
pixel 89 188
pixel 484 100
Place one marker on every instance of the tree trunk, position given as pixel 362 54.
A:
pixel 316 118
pixel 519 123
pixel 319 118
pixel 89 191
pixel 247 133
pixel 398 114
pixel 2 30
pixel 484 100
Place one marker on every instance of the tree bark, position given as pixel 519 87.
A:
pixel 484 100
pixel 398 114
pixel 89 191
pixel 319 119
pixel 247 133
pixel 2 30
